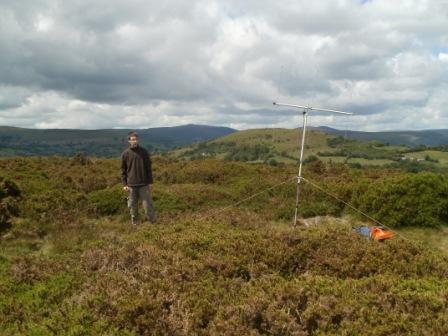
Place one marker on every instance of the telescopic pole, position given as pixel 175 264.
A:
pixel 306 110
pixel 299 177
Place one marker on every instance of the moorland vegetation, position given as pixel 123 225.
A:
pixel 71 264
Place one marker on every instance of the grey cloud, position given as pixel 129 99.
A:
pixel 273 112
pixel 94 66
pixel 318 17
pixel 12 97
pixel 215 61
pixel 359 56
pixel 325 18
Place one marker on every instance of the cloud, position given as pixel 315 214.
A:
pixel 142 63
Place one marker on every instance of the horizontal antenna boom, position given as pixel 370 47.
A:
pixel 312 108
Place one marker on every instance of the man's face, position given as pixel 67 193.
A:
pixel 133 141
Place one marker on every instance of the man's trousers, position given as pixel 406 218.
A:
pixel 144 194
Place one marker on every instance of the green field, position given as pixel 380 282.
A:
pixel 441 157
pixel 395 148
pixel 366 162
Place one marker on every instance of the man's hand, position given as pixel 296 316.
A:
pixel 126 188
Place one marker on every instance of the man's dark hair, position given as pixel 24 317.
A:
pixel 132 134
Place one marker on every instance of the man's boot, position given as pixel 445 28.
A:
pixel 135 221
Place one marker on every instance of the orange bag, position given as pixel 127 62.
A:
pixel 380 233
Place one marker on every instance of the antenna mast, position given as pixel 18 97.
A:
pixel 306 111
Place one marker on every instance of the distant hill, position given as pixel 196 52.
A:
pixel 106 142
pixel 258 145
pixel 432 138
pixel 279 144
pixel 275 146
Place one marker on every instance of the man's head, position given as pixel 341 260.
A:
pixel 133 139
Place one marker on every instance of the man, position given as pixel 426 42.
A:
pixel 136 175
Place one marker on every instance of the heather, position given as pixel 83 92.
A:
pixel 71 264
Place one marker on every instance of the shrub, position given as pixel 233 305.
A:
pixel 405 200
pixel 311 158
pixel 9 195
pixel 164 201
pixel 82 159
pixel 109 201
pixel 273 162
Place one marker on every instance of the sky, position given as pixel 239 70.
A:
pixel 93 64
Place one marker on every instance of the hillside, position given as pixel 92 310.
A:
pixel 257 145
pixel 70 264
pixel 106 143
pixel 432 138
pixel 280 146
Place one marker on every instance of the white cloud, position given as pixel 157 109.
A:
pixel 43 23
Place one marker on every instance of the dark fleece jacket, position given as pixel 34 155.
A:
pixel 136 167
